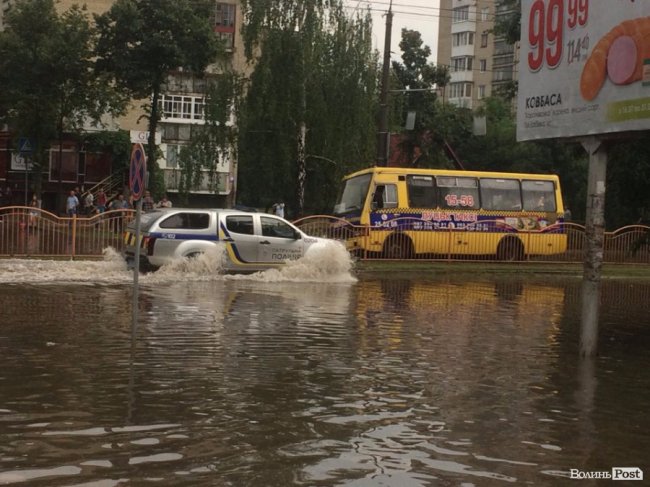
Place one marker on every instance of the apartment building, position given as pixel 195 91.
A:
pixel 182 112
pixel 479 62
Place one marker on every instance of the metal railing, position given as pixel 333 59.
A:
pixel 32 232
pixel 111 185
pixel 629 244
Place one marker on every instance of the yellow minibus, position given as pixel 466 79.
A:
pixel 408 212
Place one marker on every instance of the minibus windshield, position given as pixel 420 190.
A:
pixel 353 195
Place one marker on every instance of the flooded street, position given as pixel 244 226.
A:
pixel 314 376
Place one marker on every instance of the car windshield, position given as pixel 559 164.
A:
pixel 353 195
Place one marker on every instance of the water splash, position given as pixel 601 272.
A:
pixel 326 262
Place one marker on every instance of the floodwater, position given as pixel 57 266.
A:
pixel 313 376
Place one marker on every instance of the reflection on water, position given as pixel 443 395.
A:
pixel 288 380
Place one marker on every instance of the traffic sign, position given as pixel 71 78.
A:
pixel 25 145
pixel 137 171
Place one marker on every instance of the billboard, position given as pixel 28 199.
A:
pixel 584 68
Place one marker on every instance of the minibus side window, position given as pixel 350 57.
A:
pixel 458 193
pixel 500 194
pixel 539 195
pixel 421 191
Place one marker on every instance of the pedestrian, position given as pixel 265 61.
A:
pixel 118 204
pixel 567 215
pixel 33 214
pixel 147 201
pixel 72 204
pixel 80 199
pixel 89 203
pixel 164 203
pixel 278 209
pixel 101 201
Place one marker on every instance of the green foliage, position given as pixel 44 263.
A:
pixel 117 143
pixel 214 140
pixel 315 66
pixel 141 41
pixel 46 72
pixel 508 24
pixel 416 73
pixel 628 183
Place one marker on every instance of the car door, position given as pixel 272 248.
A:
pixel 278 241
pixel 240 239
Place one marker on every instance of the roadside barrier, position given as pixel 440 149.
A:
pixel 629 244
pixel 33 232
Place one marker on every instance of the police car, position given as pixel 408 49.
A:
pixel 252 241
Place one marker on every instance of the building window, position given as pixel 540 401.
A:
pixel 224 22
pixel 503 74
pixel 224 14
pixel 485 14
pixel 179 107
pixel 67 170
pixel 460 14
pixel 481 91
pixel 463 39
pixel 463 63
pixel 483 65
pixel 484 39
pixel 460 90
pixel 171 157
pixel 98 166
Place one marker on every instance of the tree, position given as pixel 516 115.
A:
pixel 216 139
pixel 47 75
pixel 418 77
pixel 141 41
pixel 508 23
pixel 311 102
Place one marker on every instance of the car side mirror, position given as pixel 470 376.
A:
pixel 297 235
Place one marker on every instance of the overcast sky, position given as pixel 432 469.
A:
pixel 420 15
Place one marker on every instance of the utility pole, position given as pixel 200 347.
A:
pixel 383 134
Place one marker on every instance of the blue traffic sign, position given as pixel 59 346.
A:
pixel 137 171
pixel 25 145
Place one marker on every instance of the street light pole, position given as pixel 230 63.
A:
pixel 383 134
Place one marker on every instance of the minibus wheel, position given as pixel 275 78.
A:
pixel 398 246
pixel 510 249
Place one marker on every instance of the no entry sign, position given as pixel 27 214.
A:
pixel 137 171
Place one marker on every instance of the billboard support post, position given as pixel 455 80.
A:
pixel 594 245
pixel 583 74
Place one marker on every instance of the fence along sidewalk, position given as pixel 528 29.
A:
pixel 34 232
pixel 629 244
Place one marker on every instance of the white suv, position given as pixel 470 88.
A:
pixel 253 241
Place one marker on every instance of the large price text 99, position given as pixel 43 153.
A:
pixel 545 29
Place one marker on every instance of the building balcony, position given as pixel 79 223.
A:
pixel 461 76
pixel 463 102
pixel 211 183
pixel 464 26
